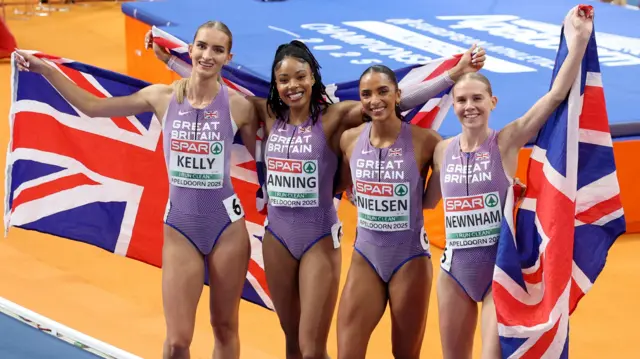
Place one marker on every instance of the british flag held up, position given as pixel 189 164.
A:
pixel 103 181
pixel 551 252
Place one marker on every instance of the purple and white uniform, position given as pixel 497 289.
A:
pixel 474 187
pixel 197 147
pixel 300 180
pixel 388 188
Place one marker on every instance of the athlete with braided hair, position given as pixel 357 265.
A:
pixel 302 154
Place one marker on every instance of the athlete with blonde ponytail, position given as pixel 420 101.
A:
pixel 204 221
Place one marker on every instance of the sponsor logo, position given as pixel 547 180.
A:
pixel 192 147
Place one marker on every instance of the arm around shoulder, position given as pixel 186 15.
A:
pixel 349 114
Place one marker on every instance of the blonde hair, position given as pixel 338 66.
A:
pixel 475 76
pixel 180 86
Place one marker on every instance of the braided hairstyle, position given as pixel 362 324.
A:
pixel 319 98
pixel 392 76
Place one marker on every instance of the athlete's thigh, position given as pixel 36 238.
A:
pixel 489 329
pixel 458 317
pixel 281 270
pixel 409 291
pixel 228 264
pixel 319 278
pixel 182 283
pixel 362 304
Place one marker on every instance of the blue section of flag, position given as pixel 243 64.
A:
pixel 96 223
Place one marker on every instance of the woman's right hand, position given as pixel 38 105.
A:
pixel 161 53
pixel 29 63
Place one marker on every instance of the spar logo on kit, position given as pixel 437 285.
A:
pixel 196 164
pixel 471 203
pixel 196 147
pixel 216 148
pixel 473 221
pixel 382 206
pixel 292 183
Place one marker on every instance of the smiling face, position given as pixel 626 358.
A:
pixel 294 82
pixel 210 51
pixel 379 96
pixel 473 102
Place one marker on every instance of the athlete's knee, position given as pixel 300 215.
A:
pixel 225 330
pixel 491 349
pixel 177 347
pixel 491 352
pixel 313 345
pixel 405 352
pixel 313 351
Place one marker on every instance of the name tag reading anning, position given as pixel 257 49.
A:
pixel 196 164
pixel 292 183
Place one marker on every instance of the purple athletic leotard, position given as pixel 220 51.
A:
pixel 388 188
pixel 300 179
pixel 197 147
pixel 474 187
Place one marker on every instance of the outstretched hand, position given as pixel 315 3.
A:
pixel 29 63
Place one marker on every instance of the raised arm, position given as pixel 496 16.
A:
pixel 415 94
pixel 180 67
pixel 578 27
pixel 184 70
pixel 86 102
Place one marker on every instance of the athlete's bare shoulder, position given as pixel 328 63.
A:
pixel 349 137
pixel 158 90
pixel 240 101
pixel 424 142
pixel 237 97
pixel 424 134
pixel 438 153
pixel 158 96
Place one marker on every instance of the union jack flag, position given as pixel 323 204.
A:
pixel 395 152
pixel 551 252
pixel 97 180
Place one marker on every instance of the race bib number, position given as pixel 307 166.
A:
pixel 383 206
pixel 336 234
pixel 233 207
pixel 472 221
pixel 446 259
pixel 196 164
pixel 292 183
pixel 424 240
